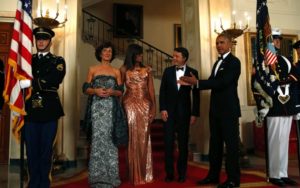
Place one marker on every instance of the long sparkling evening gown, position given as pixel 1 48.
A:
pixel 103 164
pixel 137 103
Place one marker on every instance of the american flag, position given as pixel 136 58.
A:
pixel 263 81
pixel 19 65
pixel 270 54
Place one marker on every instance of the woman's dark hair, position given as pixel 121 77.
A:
pixel 1 66
pixel 101 47
pixel 132 51
pixel 184 52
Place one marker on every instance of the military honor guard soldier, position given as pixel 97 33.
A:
pixel 296 46
pixel 280 116
pixel 43 108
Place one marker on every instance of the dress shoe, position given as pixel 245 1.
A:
pixel 289 181
pixel 228 184
pixel 208 180
pixel 277 182
pixel 169 178
pixel 181 179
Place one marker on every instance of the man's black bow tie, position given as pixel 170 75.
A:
pixel 179 68
pixel 220 57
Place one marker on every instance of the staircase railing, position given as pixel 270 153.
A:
pixel 96 31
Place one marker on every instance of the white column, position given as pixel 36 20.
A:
pixel 65 44
pixel 199 38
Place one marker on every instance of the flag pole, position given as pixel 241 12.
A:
pixel 22 145
pixel 22 159
pixel 298 143
pixel 266 148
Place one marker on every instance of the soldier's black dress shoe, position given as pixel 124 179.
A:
pixel 208 180
pixel 181 179
pixel 228 184
pixel 169 178
pixel 289 181
pixel 277 182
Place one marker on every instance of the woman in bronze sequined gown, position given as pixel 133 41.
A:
pixel 139 105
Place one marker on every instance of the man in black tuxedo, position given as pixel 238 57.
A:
pixel 223 115
pixel 178 112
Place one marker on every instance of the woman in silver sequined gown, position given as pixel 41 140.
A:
pixel 102 87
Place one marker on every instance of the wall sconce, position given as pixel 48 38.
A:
pixel 91 23
pixel 45 20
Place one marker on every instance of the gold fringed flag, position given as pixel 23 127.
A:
pixel 19 65
pixel 263 80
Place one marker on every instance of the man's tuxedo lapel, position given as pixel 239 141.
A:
pixel 187 71
pixel 213 69
pixel 174 78
pixel 225 60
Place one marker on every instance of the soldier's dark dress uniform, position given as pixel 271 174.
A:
pixel 279 120
pixel 48 72
pixel 296 46
pixel 43 111
pixel 287 74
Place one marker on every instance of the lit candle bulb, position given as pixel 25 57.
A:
pixel 248 20
pixel 233 14
pixel 65 12
pixel 215 25
pixel 41 8
pixel 240 24
pixel 57 6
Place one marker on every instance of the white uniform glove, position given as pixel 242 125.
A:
pixel 25 83
pixel 261 114
pixel 296 117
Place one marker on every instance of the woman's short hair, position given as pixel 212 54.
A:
pixel 101 47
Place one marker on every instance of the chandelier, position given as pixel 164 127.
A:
pixel 47 20
pixel 236 29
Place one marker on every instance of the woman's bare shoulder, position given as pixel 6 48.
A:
pixel 148 68
pixel 93 67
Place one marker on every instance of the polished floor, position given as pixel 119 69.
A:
pixel 10 175
pixel 10 178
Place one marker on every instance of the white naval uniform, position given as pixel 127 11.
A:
pixel 279 128
pixel 278 138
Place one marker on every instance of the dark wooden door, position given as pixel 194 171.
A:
pixel 5 38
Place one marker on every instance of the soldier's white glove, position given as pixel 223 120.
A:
pixel 25 83
pixel 261 114
pixel 296 117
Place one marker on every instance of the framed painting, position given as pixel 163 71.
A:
pixel 128 20
pixel 250 52
pixel 177 35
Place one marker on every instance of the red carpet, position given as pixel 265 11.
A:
pixel 195 172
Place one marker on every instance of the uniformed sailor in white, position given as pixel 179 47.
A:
pixel 279 118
